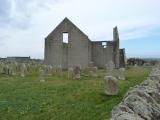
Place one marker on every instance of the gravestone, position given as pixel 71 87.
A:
pixel 70 73
pixel 48 69
pixel 7 71
pixel 28 67
pixel 58 70
pixel 23 70
pixel 1 68
pixel 110 68
pixel 42 75
pixel 121 74
pixel 77 72
pixel 13 66
pixel 10 69
pixel 105 66
pixel 135 65
pixel 53 71
pixel 94 71
pixel 91 64
pixel 111 85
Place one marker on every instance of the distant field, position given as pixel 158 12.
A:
pixel 61 99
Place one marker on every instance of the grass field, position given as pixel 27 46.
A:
pixel 61 99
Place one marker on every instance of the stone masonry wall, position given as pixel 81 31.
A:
pixel 100 55
pixel 141 102
pixel 75 52
pixel 79 50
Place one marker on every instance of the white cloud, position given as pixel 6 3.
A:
pixel 32 20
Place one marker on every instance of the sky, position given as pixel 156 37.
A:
pixel 25 23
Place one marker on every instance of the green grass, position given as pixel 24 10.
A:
pixel 61 99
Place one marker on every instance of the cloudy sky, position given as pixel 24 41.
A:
pixel 25 23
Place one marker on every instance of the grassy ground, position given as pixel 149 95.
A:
pixel 61 99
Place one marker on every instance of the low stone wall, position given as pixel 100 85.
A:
pixel 141 102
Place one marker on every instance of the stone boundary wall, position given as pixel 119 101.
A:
pixel 141 102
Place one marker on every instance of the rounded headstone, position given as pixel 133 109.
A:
pixel 111 85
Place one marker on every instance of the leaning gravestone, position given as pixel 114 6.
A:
pixel 77 72
pixel 122 74
pixel 111 85
pixel 42 75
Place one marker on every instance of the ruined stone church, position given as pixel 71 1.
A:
pixel 68 46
